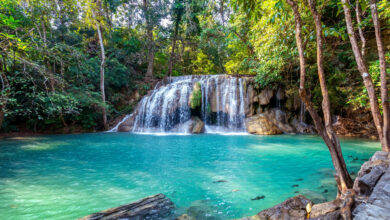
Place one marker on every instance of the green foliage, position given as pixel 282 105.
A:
pixel 196 96
pixel 202 65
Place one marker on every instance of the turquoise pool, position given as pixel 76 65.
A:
pixel 70 176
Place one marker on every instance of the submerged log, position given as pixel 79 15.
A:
pixel 152 207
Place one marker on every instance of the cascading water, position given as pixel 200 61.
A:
pixel 167 108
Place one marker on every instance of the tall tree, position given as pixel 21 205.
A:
pixel 382 128
pixel 102 57
pixel 324 130
pixel 178 10
pixel 383 77
pixel 149 34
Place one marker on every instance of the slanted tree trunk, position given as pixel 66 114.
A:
pixel 383 74
pixel 149 33
pixel 103 59
pixel 365 75
pixel 324 130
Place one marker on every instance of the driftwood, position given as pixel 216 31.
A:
pixel 152 207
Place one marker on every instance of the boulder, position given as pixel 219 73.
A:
pixel 293 208
pixel 327 210
pixel 302 127
pixel 265 96
pixel 196 126
pixel 378 203
pixel 370 172
pixel 260 124
pixel 278 117
pixel 152 207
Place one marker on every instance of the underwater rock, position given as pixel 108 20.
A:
pixel 185 217
pixel 325 191
pixel 220 181
pixel 258 198
pixel 295 185
pixel 299 179
pixel 152 207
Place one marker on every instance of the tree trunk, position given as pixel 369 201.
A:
pixel 170 64
pixel 345 181
pixel 149 32
pixel 5 88
pixel 383 73
pixel 365 75
pixel 361 34
pixel 345 178
pixel 103 57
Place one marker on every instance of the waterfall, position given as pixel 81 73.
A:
pixel 166 109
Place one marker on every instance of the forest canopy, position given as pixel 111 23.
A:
pixel 53 52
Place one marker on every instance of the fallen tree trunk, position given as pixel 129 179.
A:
pixel 152 207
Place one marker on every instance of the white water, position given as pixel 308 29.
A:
pixel 166 109
pixel 115 129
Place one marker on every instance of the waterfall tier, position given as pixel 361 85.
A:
pixel 206 103
pixel 167 107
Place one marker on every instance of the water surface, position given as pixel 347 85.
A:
pixel 70 176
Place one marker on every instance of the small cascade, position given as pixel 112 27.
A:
pixel 302 112
pixel 167 108
pixel 115 129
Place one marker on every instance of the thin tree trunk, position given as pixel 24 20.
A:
pixel 365 75
pixel 170 64
pixel 103 57
pixel 383 74
pixel 149 33
pixel 49 70
pixel 361 34
pixel 5 87
pixel 344 180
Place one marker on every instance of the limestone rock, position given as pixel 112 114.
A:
pixel 378 204
pixel 293 208
pixel 373 185
pixel 325 210
pixel 370 172
pixel 196 126
pixel 278 117
pixel 265 96
pixel 152 207
pixel 260 124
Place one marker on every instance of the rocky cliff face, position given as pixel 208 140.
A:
pixel 223 103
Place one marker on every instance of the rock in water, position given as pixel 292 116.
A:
pixel 152 207
pixel 196 126
pixel 293 208
pixel 260 124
